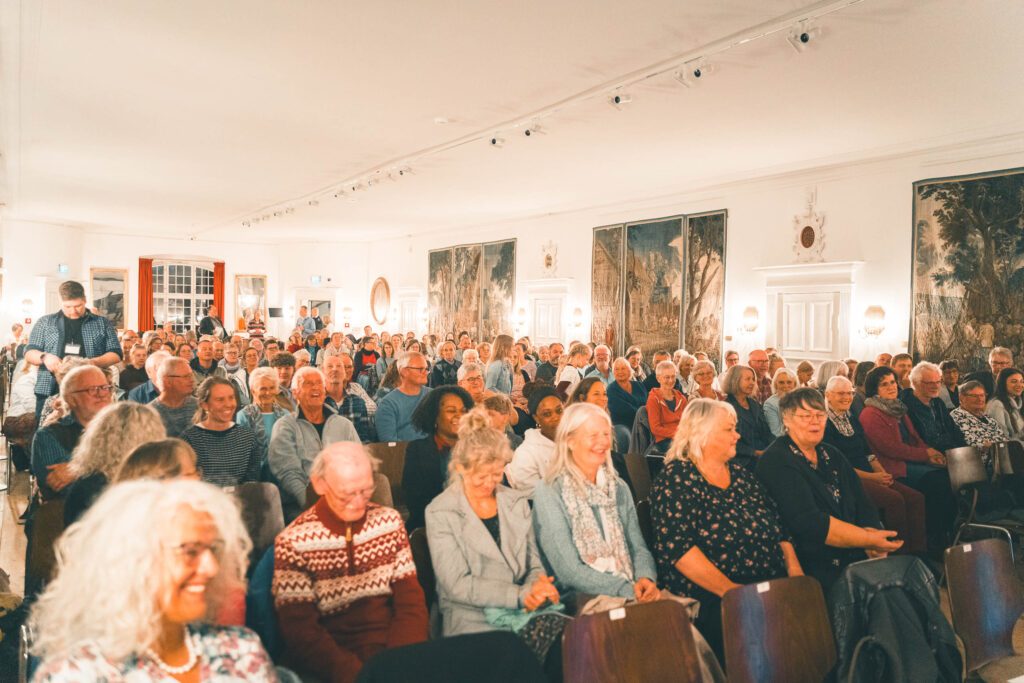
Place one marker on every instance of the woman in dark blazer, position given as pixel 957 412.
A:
pixel 740 386
pixel 426 459
pixel 819 496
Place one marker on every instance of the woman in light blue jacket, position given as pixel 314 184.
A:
pixel 783 381
pixel 485 557
pixel 498 376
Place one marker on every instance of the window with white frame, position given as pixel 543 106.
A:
pixel 182 292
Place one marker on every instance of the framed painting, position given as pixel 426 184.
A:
pixel 653 291
pixel 109 294
pixel 606 287
pixel 439 291
pixel 250 299
pixel 704 309
pixel 498 288
pixel 466 270
pixel 968 268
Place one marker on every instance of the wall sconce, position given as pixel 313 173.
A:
pixel 751 319
pixel 520 320
pixel 577 318
pixel 874 320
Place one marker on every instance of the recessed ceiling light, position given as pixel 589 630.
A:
pixel 442 120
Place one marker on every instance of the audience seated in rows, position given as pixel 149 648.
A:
pixel 175 403
pixel 394 411
pixel 740 387
pixel 1005 405
pixel 228 453
pixel 349 399
pixel 533 457
pixel 665 404
pixel 784 381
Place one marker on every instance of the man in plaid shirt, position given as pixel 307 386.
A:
pixel 72 331
pixel 348 398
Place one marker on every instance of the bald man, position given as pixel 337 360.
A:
pixel 345 584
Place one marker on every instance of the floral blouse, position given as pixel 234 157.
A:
pixel 737 528
pixel 226 653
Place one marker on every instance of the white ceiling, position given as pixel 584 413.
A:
pixel 188 117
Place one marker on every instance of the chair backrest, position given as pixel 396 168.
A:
pixel 260 615
pixel 381 492
pixel 643 513
pixel 392 463
pixel 640 435
pixel 260 503
pixel 965 467
pixel 640 642
pixel 777 631
pixel 47 526
pixel 424 564
pixel 636 465
pixel 1016 453
pixel 985 599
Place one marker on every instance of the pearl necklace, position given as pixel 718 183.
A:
pixel 193 658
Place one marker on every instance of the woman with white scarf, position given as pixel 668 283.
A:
pixel 584 515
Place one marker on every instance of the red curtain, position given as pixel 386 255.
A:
pixel 146 321
pixel 218 289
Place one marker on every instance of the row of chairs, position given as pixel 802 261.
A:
pixel 969 479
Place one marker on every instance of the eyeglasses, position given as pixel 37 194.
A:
pixel 346 497
pixel 474 380
pixel 975 395
pixel 810 417
pixel 417 369
pixel 96 391
pixel 192 553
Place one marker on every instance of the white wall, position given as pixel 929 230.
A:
pixel 343 269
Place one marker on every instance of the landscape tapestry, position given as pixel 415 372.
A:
pixel 439 291
pixel 653 285
pixel 498 288
pixel 472 287
pixel 705 284
pixel 968 267
pixel 606 287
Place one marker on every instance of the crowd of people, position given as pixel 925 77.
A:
pixel 514 467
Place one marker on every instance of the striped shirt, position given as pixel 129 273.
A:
pixel 226 458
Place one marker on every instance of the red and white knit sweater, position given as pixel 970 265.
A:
pixel 345 590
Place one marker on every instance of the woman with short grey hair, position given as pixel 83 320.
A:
pixel 715 526
pixel 264 411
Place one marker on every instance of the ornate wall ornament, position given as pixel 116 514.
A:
pixel 549 256
pixel 809 237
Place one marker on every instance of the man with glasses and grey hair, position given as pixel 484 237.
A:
pixel 999 358
pixel 394 412
pixel 345 584
pixel 175 403
pixel 927 411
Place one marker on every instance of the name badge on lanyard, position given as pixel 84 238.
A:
pixel 72 349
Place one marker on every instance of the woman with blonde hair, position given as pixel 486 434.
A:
pixel 489 571
pixel 783 381
pixel 115 432
pixel 715 526
pixel 164 459
pixel 139 579
pixel 498 373
pixel 584 515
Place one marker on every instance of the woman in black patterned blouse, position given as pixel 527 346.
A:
pixel 715 528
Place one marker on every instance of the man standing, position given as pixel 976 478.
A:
pixel 348 398
pixel 304 322
pixel 72 331
pixel 212 325
pixel 345 584
pixel 176 404
pixel 203 365
pixel 318 322
pixel 758 362
pixel 395 409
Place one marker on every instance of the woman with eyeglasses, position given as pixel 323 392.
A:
pixel 820 499
pixel 114 433
pixel 140 578
pixel 426 459
pixel 489 572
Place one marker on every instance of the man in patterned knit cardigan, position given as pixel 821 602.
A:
pixel 345 584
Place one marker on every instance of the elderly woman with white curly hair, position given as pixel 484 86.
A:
pixel 139 579
pixel 715 526
pixel 116 431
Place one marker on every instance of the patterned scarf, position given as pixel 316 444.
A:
pixel 893 407
pixel 841 421
pixel 605 552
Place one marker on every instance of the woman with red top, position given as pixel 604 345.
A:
pixel 665 406
pixel 904 455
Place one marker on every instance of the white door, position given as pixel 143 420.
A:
pixel 408 315
pixel 808 326
pixel 547 321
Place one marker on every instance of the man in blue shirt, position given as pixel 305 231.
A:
pixel 305 322
pixel 72 331
pixel 394 412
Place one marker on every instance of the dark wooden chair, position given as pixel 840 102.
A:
pixel 424 565
pixel 640 642
pixel 643 513
pixel 381 492
pixel 260 504
pixel 986 601
pixel 639 475
pixel 966 474
pixel 47 526
pixel 392 462
pixel 777 631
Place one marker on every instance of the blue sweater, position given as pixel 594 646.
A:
pixel 554 535
pixel 393 416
